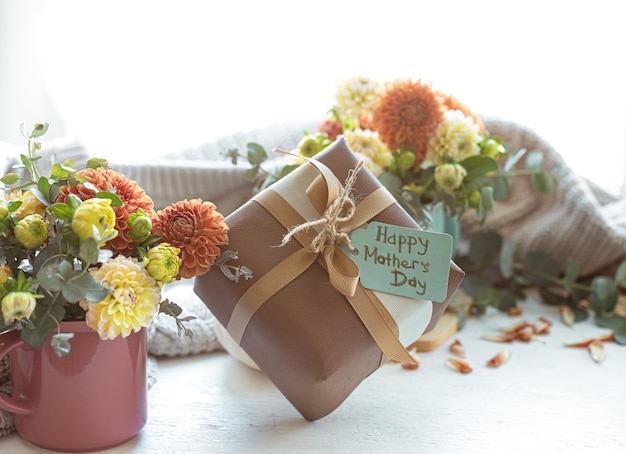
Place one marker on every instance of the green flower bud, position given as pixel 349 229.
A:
pixel 308 146
pixel 17 305
pixel 31 231
pixel 140 228
pixel 94 218
pixel 493 149
pixel 163 263
pixel 450 176
pixel 473 198
pixel 4 210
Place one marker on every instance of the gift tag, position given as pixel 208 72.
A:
pixel 403 261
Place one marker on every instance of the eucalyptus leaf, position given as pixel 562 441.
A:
pixel 603 296
pixel 617 324
pixel 501 187
pixel 478 166
pixel 61 211
pixel 513 159
pixel 89 251
pixel 256 153
pixel 252 172
pixel 542 182
pixel 534 161
pixel 485 248
pixel 507 253
pixel 571 272
pixel 540 268
pixel 60 343
pixel 115 200
pixel 39 130
pixel 83 285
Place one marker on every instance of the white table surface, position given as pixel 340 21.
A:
pixel 546 398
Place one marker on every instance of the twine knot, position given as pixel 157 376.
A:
pixel 337 212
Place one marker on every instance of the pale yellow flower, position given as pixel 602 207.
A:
pixel 354 97
pixel 17 306
pixel 31 231
pixel 450 176
pixel 131 305
pixel 365 142
pixel 5 273
pixel 454 140
pixel 95 218
pixel 30 204
pixel 4 210
pixel 163 263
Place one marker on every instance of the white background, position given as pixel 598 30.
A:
pixel 134 79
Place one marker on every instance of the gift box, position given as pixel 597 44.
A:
pixel 304 318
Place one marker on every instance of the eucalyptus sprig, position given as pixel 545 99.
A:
pixel 494 277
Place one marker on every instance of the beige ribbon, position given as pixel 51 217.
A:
pixel 338 219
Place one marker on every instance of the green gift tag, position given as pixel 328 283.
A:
pixel 403 261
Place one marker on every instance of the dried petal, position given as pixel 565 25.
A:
pixel 457 348
pixel 515 311
pixel 526 334
pixel 542 326
pixel 499 337
pixel 412 366
pixel 587 342
pixel 459 365
pixel 567 315
pixel 515 328
pixel 596 349
pixel 499 359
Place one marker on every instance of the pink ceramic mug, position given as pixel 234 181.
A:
pixel 93 398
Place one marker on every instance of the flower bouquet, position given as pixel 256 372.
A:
pixel 87 244
pixel 428 148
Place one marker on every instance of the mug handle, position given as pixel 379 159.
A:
pixel 10 341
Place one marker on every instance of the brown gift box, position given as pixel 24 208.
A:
pixel 306 337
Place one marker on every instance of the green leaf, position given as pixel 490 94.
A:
pixel 487 198
pixel 571 272
pixel 57 172
pixel 61 211
pixel 44 321
pixel 89 251
pixel 500 184
pixel 514 159
pixel 60 343
pixel 10 178
pixel 603 296
pixel 39 130
pixel 620 275
pixel 507 254
pixel 405 162
pixel 542 182
pixel 478 166
pixel 84 286
pixel 540 268
pixel 485 247
pixel 534 161
pixel 256 153
pixel 50 276
pixel 615 323
pixel 73 201
pixel 94 163
pixel 115 200
pixel 252 172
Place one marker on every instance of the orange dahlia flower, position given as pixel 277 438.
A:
pixel 452 103
pixel 332 128
pixel 406 114
pixel 197 229
pixel 132 196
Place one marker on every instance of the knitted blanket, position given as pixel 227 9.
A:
pixel 578 220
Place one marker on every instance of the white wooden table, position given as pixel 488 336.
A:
pixel 546 398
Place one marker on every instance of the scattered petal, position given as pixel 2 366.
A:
pixel 412 366
pixel 587 342
pixel 457 348
pixel 596 349
pixel 567 315
pixel 499 359
pixel 498 337
pixel 515 328
pixel 459 365
pixel 542 326
pixel 515 311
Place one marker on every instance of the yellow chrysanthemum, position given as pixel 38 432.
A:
pixel 366 143
pixel 94 218
pixel 354 96
pixel 130 306
pixel 17 306
pixel 455 139
pixel 31 231
pixel 163 263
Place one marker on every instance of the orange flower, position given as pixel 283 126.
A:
pixel 452 103
pixel 407 114
pixel 197 229
pixel 332 128
pixel 132 196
